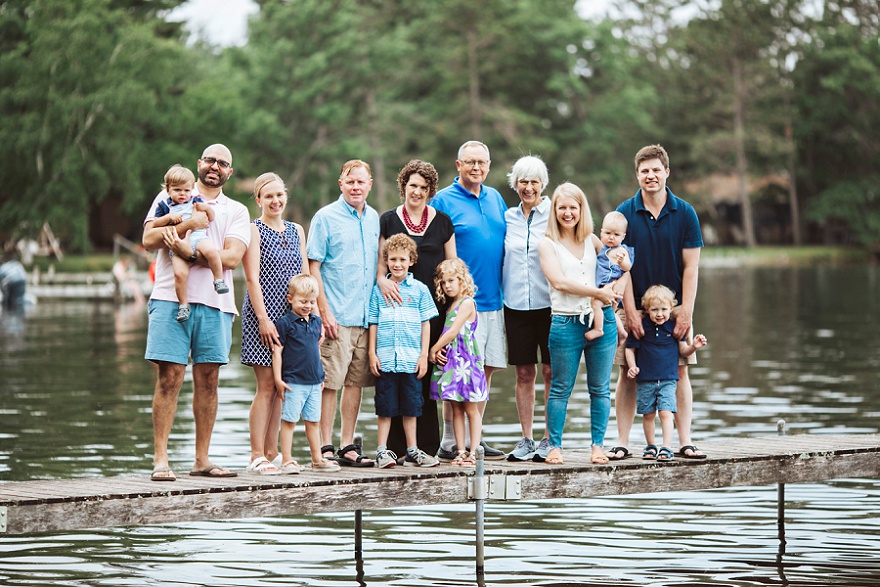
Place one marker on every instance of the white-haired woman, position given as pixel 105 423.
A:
pixel 527 297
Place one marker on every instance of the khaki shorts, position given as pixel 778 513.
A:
pixel 620 356
pixel 346 359
pixel 492 339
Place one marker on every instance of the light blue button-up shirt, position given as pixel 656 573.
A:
pixel 522 280
pixel 399 332
pixel 347 246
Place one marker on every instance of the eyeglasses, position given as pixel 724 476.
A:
pixel 222 164
pixel 475 163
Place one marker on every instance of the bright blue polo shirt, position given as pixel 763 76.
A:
pixel 479 237
pixel 347 246
pixel 399 326
pixel 659 242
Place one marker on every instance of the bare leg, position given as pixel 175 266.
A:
pixel 409 429
pixel 648 426
pixel 383 425
pixel 205 380
pixel 313 436
pixel 684 398
pixel 328 415
pixel 207 249
pixel 181 276
pixel 624 407
pixel 287 441
pixel 263 429
pixel 164 407
pixel 525 397
pixel 458 424
pixel 348 409
pixel 666 423
pixel 472 410
pixel 488 371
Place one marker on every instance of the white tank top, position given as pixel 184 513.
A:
pixel 581 270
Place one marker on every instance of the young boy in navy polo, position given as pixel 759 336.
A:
pixel 399 351
pixel 299 375
pixel 653 363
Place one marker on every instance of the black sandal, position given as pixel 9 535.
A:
pixel 683 452
pixel 328 448
pixel 612 454
pixel 358 462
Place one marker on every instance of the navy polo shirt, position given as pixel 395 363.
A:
pixel 657 352
pixel 659 242
pixel 301 356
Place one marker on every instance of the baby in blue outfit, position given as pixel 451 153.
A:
pixel 612 266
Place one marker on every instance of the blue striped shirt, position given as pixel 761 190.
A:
pixel 399 326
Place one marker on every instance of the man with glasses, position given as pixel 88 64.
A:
pixel 477 213
pixel 207 336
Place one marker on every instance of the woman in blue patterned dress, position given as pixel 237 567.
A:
pixel 276 254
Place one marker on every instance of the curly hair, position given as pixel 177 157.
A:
pixel 423 168
pixel 401 242
pixel 658 293
pixel 453 268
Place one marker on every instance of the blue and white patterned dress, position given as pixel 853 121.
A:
pixel 280 259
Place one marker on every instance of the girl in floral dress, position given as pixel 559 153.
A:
pixel 458 376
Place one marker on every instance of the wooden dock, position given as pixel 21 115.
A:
pixel 69 504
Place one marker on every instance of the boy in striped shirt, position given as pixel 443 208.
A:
pixel 399 352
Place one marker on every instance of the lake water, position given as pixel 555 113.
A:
pixel 793 343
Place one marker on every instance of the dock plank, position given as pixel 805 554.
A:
pixel 68 504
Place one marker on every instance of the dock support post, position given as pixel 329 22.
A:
pixel 780 513
pixel 358 533
pixel 479 498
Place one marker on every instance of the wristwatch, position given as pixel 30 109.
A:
pixel 195 256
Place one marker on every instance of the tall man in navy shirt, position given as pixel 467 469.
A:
pixel 665 232
pixel 477 214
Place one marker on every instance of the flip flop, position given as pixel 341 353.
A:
pixel 209 470
pixel 612 454
pixel 155 477
pixel 682 452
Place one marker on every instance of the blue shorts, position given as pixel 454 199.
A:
pixel 301 400
pixel 654 396
pixel 398 394
pixel 206 335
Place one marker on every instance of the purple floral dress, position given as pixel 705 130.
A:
pixel 462 378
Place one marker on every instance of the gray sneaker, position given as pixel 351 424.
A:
pixel 386 459
pixel 524 451
pixel 422 459
pixel 542 451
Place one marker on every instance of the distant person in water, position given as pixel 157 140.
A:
pixel 13 283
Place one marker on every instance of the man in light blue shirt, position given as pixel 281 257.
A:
pixel 343 250
pixel 477 214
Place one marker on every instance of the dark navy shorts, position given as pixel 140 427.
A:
pixel 398 394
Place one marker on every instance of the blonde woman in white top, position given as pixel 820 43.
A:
pixel 568 258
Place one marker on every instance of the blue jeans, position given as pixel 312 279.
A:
pixel 567 343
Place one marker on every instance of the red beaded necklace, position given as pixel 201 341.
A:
pixel 411 226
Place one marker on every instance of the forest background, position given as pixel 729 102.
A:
pixel 769 108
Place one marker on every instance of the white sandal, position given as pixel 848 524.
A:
pixel 291 467
pixel 262 466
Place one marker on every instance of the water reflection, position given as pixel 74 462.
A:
pixel 76 396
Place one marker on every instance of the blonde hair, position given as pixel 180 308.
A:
pixel 615 219
pixel 264 180
pixel 584 227
pixel 353 164
pixel 453 268
pixel 304 285
pixel 401 242
pixel 658 293
pixel 178 175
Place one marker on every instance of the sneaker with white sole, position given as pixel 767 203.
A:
pixel 422 459
pixel 524 450
pixel 386 459
pixel 542 450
